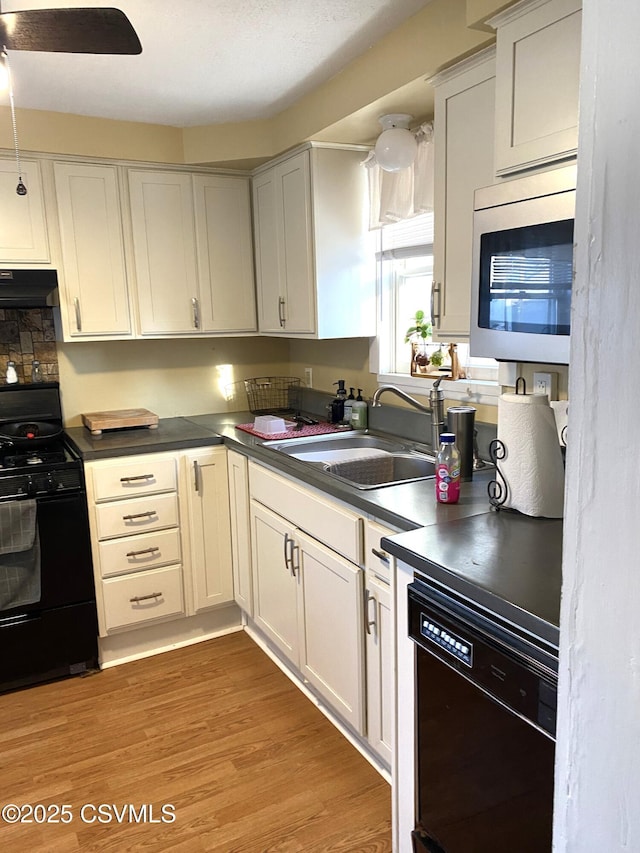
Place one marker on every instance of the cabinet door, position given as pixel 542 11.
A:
pixel 225 253
pixel 275 593
pixel 95 296
pixel 294 185
pixel 537 82
pixel 379 649
pixel 268 284
pixel 23 225
pixel 331 627
pixel 164 252
pixel 237 467
pixel 209 527
pixel 464 161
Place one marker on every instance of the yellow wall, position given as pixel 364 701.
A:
pixel 171 378
pixel 390 75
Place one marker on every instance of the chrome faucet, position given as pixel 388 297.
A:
pixel 436 409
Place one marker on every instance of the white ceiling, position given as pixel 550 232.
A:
pixel 205 61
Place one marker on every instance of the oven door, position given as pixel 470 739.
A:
pixel 57 635
pixel 66 569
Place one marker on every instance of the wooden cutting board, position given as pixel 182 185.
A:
pixel 119 419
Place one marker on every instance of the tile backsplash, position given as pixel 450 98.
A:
pixel 28 334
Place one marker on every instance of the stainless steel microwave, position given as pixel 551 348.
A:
pixel 523 268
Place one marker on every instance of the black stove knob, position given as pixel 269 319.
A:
pixel 31 487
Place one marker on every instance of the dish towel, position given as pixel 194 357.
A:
pixel 19 554
pixel 532 467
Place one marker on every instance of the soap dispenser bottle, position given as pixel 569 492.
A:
pixel 348 406
pixel 336 409
pixel 359 412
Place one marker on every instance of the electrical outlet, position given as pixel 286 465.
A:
pixel 308 377
pixel 546 383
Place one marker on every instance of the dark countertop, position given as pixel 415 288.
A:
pixel 171 434
pixel 406 506
pixel 506 562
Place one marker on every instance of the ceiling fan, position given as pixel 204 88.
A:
pixel 85 30
pixel 81 30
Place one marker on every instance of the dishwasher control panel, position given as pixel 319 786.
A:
pixel 456 645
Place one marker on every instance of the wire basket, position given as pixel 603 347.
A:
pixel 268 395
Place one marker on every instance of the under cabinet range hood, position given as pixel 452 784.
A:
pixel 28 288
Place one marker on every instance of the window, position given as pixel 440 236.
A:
pixel 405 273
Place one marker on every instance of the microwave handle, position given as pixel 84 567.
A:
pixel 435 318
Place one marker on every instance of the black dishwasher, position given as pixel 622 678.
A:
pixel 485 729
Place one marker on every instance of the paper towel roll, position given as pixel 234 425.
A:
pixel 532 467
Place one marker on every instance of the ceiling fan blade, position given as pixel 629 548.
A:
pixel 87 30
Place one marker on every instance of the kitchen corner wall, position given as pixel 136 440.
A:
pixel 25 335
pixel 172 378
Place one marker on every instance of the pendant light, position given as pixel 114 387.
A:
pixel 6 77
pixel 396 147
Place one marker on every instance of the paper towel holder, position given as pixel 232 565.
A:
pixel 498 491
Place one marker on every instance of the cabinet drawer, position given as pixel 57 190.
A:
pixel 145 596
pixel 135 553
pixel 336 526
pixel 127 479
pixel 138 516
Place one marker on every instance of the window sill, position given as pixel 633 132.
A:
pixel 480 391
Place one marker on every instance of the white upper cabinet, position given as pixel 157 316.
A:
pixel 464 160
pixel 164 252
pixel 225 253
pixel 315 276
pixel 94 297
pixel 192 253
pixel 537 81
pixel 23 224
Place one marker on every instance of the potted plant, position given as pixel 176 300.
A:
pixel 419 335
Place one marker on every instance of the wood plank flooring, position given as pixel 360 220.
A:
pixel 215 730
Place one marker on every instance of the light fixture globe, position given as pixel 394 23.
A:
pixel 396 147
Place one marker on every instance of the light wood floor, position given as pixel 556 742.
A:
pixel 216 730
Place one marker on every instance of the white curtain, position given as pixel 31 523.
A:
pixel 394 196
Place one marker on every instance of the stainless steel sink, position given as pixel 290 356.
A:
pixel 323 447
pixel 386 470
pixel 364 460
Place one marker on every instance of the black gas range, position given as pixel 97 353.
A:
pixel 48 621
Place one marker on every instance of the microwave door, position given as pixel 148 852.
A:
pixel 522 278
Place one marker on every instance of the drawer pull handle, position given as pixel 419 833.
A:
pixel 147 514
pixel 137 477
pixel 138 598
pixel 370 623
pixel 144 551
pixel 381 555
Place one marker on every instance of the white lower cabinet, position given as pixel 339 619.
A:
pixel 209 528
pixel 308 602
pixel 238 474
pixel 160 536
pixel 379 642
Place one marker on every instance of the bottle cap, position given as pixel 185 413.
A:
pixel 447 438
